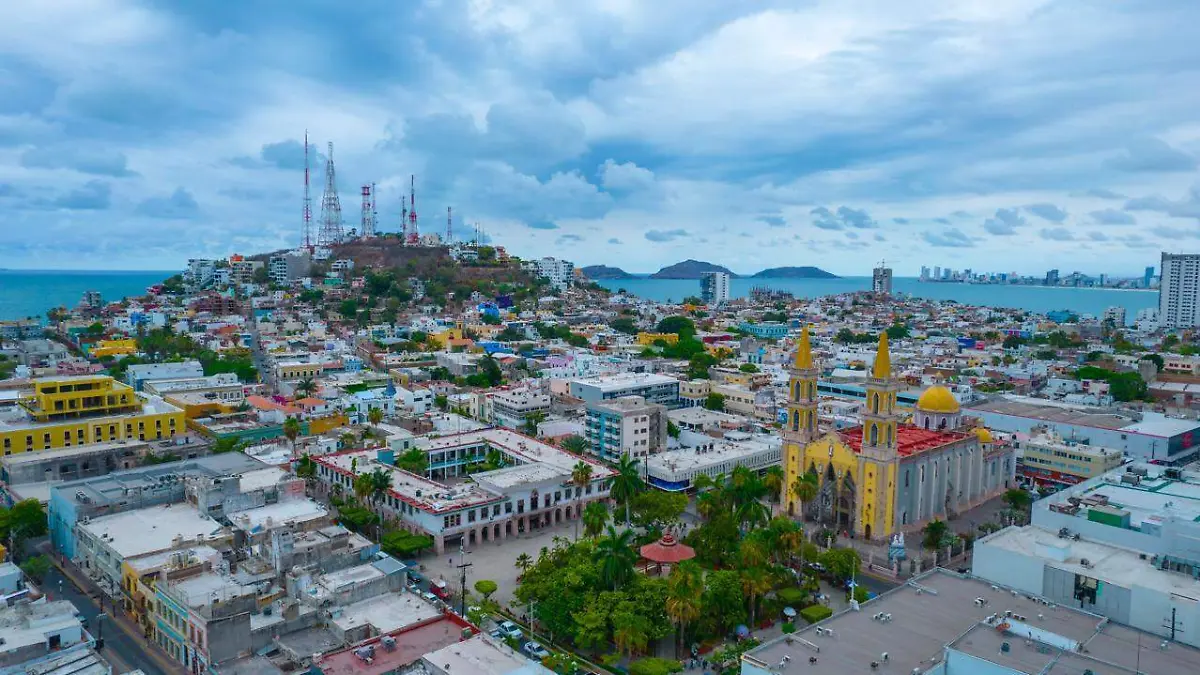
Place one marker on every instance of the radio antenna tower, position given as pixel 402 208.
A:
pixel 403 218
pixel 307 226
pixel 449 226
pixel 414 235
pixel 368 221
pixel 331 207
pixel 374 210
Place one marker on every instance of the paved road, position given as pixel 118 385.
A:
pixel 120 649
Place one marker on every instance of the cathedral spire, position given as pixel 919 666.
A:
pixel 882 369
pixel 804 358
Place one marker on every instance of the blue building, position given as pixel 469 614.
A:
pixel 765 330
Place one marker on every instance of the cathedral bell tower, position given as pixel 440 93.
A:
pixel 879 413
pixel 800 429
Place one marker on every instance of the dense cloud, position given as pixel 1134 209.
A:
pixel 633 134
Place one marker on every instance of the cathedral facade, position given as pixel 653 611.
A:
pixel 888 474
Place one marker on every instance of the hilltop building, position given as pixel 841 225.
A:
pixel 885 475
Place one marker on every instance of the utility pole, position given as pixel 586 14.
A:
pixel 462 583
pixel 1173 624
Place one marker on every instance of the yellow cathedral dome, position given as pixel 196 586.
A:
pixel 938 399
pixel 983 434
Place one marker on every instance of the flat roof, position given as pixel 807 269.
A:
pixel 938 610
pixel 1110 564
pixel 102 490
pixel 686 459
pixel 386 613
pixel 262 478
pixel 481 655
pixel 287 511
pixel 1154 499
pixel 1050 411
pixel 617 381
pixel 411 645
pixel 202 589
pixel 141 531
pixel 25 625
pixel 76 451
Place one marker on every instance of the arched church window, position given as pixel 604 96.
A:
pixel 874 435
pixel 875 403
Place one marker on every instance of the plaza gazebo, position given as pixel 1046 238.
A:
pixel 667 551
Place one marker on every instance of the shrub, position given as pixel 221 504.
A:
pixel 815 613
pixel 789 627
pixel 654 666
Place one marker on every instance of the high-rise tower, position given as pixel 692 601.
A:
pixel 449 226
pixel 403 218
pixel 331 207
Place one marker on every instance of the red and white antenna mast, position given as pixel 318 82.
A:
pixel 367 227
pixel 307 199
pixel 414 234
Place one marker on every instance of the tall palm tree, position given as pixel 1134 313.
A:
pixel 804 488
pixel 773 479
pixel 752 513
pixel 755 582
pixel 625 483
pixel 381 482
pixel 581 477
pixel 291 430
pixel 595 515
pixel 685 587
pixel 616 557
pixel 375 416
pixel 363 487
pixel 307 387
pixel 306 468
pixel 524 562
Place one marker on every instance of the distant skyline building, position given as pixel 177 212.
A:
pixel 1179 291
pixel 714 287
pixel 1052 278
pixel 881 280
pixel 1148 277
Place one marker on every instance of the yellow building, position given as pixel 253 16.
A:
pixel 648 339
pixel 71 411
pixel 119 347
pixel 1049 458
pixel 885 476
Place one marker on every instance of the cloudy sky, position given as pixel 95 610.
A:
pixel 1015 135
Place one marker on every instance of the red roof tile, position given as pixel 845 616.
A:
pixel 910 440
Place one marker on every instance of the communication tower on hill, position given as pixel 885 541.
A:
pixel 307 220
pixel 413 236
pixel 449 225
pixel 368 211
pixel 331 207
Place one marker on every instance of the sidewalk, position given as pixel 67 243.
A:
pixel 115 616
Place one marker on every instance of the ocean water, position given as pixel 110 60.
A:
pixel 31 292
pixel 1039 299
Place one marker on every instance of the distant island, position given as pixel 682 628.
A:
pixel 794 273
pixel 605 272
pixel 689 269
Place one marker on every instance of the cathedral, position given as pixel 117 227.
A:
pixel 888 474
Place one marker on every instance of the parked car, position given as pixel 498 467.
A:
pixel 440 589
pixel 535 650
pixel 509 629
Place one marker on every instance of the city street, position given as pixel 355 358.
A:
pixel 121 649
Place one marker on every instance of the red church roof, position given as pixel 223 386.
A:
pixel 910 440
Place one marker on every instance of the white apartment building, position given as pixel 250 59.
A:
pixel 676 470
pixel 881 280
pixel 560 273
pixel 1179 291
pixel 714 287
pixel 199 272
pixel 1116 315
pixel 419 400
pixel 510 408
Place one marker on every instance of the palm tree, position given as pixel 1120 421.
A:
pixel 291 430
pixel 616 557
pixel 524 562
pixel 685 587
pixel 595 515
pixel 363 487
pixel 306 468
pixel 581 477
pixel 375 416
pixel 752 513
pixel 625 483
pixel 755 582
pixel 804 488
pixel 307 387
pixel 773 479
pixel 381 482
pixel 576 444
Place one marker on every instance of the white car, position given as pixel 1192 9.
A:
pixel 509 629
pixel 535 650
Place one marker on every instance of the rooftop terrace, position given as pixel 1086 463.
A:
pixel 942 609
